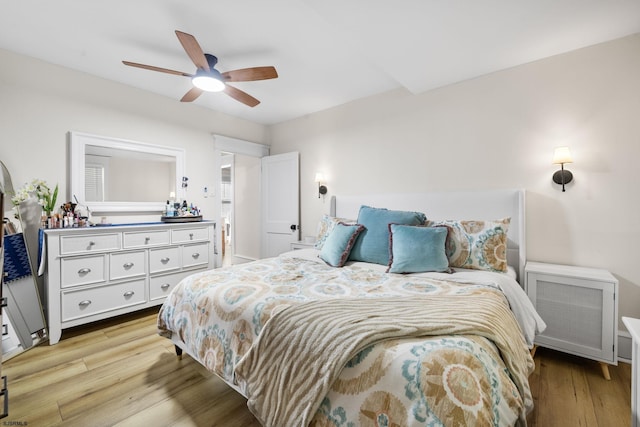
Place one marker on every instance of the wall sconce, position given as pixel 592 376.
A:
pixel 322 189
pixel 562 155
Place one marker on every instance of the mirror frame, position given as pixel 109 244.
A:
pixel 78 142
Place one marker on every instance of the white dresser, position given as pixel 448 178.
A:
pixel 100 272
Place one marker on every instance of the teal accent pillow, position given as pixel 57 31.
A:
pixel 338 244
pixel 373 243
pixel 417 249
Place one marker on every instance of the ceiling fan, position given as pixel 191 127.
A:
pixel 207 78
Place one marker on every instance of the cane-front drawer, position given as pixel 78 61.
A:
pixel 164 259
pixel 126 264
pixel 190 235
pixel 87 302
pixel 82 270
pixel 145 238
pixel 89 243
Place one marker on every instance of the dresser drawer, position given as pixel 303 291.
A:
pixel 164 259
pixel 160 286
pixel 82 270
pixel 190 235
pixel 193 255
pixel 87 302
pixel 126 264
pixel 145 238
pixel 91 243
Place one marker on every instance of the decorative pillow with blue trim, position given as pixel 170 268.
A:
pixel 478 245
pixel 373 243
pixel 338 244
pixel 417 249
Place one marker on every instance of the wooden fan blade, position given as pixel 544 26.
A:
pixel 241 96
pixel 152 68
pixel 250 74
pixel 192 95
pixel 193 49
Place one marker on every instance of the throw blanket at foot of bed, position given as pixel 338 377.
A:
pixel 302 349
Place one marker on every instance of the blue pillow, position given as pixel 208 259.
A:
pixel 373 243
pixel 417 249
pixel 337 247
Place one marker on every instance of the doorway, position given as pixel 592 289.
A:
pixel 240 215
pixel 226 207
pixel 238 210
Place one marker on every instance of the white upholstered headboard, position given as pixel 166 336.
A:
pixel 468 205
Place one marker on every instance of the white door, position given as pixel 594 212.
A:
pixel 280 203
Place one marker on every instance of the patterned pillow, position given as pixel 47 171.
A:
pixel 325 227
pixel 338 244
pixel 478 245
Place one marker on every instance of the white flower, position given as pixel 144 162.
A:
pixel 38 189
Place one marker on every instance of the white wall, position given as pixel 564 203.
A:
pixel 41 102
pixel 499 131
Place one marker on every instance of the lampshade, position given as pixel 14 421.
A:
pixel 208 82
pixel 562 155
pixel 319 177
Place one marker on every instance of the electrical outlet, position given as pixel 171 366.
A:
pixel 205 191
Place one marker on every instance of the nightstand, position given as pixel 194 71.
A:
pixel 579 306
pixel 302 245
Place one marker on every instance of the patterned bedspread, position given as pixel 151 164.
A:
pixel 451 379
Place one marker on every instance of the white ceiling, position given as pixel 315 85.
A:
pixel 327 52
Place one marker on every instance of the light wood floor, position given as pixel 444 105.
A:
pixel 120 372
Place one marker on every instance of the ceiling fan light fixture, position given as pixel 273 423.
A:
pixel 208 82
pixel 207 78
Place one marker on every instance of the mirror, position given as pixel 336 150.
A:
pixel 21 285
pixel 115 175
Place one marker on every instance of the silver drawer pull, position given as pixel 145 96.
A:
pixel 147 239
pixel 84 303
pixel 195 255
pixel 128 294
pixel 165 286
pixel 92 243
pixel 84 271
pixel 165 260
pixel 190 236
pixel 127 265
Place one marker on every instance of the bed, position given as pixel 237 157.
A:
pixel 338 335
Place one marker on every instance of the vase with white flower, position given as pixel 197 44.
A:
pixel 40 191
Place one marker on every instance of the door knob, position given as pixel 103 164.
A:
pixel 294 227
